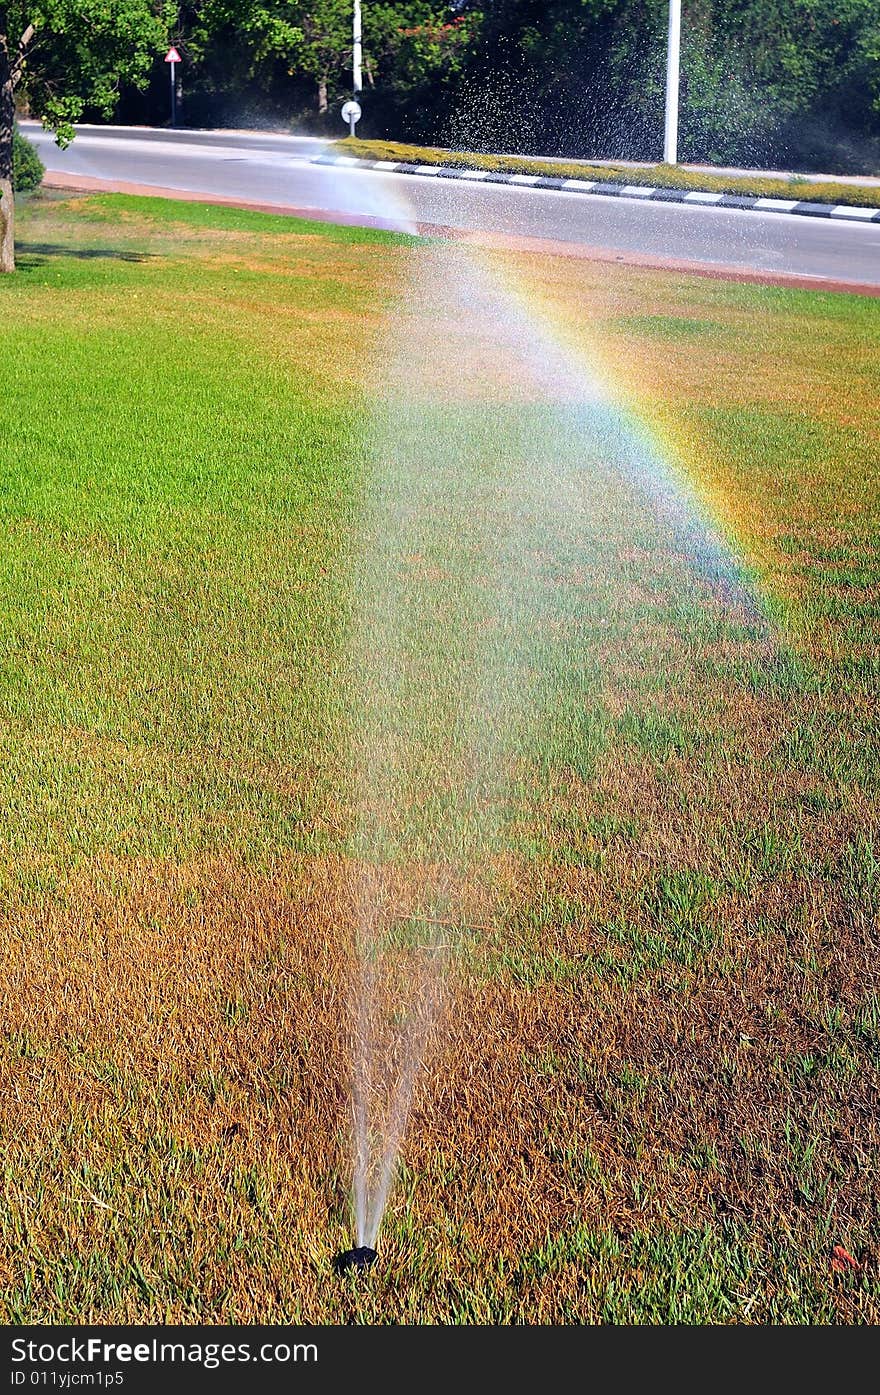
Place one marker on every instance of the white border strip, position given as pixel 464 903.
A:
pixel 842 210
pixel 778 205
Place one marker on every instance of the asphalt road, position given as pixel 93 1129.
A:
pixel 277 169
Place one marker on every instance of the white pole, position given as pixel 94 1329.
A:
pixel 670 132
pixel 356 60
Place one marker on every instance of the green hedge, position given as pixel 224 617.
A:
pixel 27 167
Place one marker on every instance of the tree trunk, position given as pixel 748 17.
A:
pixel 7 200
pixel 322 95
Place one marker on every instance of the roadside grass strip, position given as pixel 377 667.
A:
pixel 662 183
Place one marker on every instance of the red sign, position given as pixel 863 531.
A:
pixel 172 56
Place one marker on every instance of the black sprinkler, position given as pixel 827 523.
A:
pixel 361 1259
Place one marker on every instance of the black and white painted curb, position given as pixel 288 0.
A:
pixel 850 212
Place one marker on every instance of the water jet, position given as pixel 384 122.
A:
pixel 518 522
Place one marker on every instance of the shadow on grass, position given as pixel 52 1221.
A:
pixel 34 254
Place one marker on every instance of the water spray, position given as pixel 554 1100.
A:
pixel 509 496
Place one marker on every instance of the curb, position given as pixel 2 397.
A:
pixel 804 208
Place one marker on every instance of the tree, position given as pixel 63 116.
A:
pixel 405 42
pixel 313 38
pixel 65 56
pixel 325 45
pixel 761 80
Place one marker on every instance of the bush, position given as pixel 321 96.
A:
pixel 27 167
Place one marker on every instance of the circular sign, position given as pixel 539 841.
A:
pixel 351 111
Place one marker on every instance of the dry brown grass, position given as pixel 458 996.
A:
pixel 176 1092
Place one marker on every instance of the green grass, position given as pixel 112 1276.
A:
pixel 652 176
pixel 137 482
pixel 654 1096
pixel 116 208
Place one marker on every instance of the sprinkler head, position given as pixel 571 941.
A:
pixel 361 1259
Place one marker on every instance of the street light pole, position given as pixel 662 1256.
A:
pixel 351 111
pixel 356 52
pixel 673 51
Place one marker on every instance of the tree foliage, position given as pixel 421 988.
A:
pixel 302 49
pixel 62 57
pixel 82 52
pixel 762 80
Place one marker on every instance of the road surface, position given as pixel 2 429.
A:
pixel 278 170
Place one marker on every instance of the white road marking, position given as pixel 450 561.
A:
pixel 865 214
pixel 781 205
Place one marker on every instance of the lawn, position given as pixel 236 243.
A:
pixel 652 1092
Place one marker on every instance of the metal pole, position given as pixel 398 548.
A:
pixel 673 52
pixel 356 53
pixel 173 67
